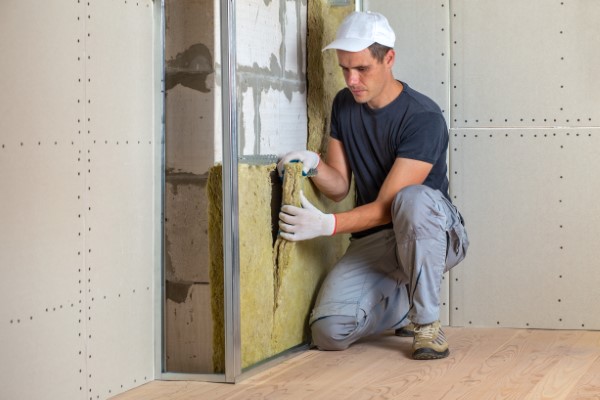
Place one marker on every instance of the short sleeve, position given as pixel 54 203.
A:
pixel 424 138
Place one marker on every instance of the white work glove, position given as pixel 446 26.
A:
pixel 309 159
pixel 304 223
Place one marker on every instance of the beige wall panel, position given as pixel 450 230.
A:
pixel 120 341
pixel 526 196
pixel 41 311
pixel 422 44
pixel 121 187
pixel 525 63
pixel 44 356
pixel 119 67
pixel 41 205
pixel 42 65
pixel 120 204
pixel 78 210
pixel 41 209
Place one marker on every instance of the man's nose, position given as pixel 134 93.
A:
pixel 352 78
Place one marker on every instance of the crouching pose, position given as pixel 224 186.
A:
pixel 405 230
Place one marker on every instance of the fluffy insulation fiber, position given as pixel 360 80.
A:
pixel 278 282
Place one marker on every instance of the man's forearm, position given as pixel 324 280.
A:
pixel 363 217
pixel 330 182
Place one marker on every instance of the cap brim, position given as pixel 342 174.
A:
pixel 349 44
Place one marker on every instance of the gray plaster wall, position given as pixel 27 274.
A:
pixel 190 86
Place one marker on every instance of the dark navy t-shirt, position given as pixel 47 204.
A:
pixel 412 126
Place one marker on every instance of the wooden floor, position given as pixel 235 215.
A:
pixel 483 364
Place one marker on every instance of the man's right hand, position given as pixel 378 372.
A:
pixel 309 159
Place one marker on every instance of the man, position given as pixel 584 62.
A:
pixel 405 230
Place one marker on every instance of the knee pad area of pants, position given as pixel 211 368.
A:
pixel 413 207
pixel 333 333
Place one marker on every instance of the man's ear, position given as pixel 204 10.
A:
pixel 389 58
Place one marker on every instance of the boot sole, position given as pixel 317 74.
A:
pixel 429 354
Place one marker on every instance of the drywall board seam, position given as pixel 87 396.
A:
pixel 528 198
pixel 520 64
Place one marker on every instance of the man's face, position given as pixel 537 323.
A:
pixel 365 76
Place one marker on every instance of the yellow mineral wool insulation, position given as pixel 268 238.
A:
pixel 300 267
pixel 278 283
pixel 215 248
pixel 323 73
pixel 256 263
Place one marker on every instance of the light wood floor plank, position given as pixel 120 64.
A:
pixel 575 360
pixel 513 368
pixel 588 387
pixel 483 364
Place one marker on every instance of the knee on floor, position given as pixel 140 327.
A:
pixel 333 333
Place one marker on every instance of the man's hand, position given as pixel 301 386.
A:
pixel 304 223
pixel 309 159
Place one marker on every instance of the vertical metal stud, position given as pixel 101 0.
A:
pixel 233 364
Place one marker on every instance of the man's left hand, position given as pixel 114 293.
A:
pixel 304 223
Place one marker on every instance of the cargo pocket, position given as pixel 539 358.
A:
pixel 457 243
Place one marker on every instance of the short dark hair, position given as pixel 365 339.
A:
pixel 378 51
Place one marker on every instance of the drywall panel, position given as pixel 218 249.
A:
pixel 119 72
pixel 120 339
pixel 41 206
pixel 528 197
pixel 121 186
pixel 422 45
pixel 42 216
pixel 43 55
pixel 517 63
pixel 119 207
pixel 79 205
pixel 44 352
pixel 42 312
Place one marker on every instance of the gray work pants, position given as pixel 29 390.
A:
pixel 391 277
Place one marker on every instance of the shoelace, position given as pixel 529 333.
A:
pixel 426 331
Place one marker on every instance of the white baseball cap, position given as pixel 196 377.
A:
pixel 359 30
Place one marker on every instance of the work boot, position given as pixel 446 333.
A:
pixel 430 342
